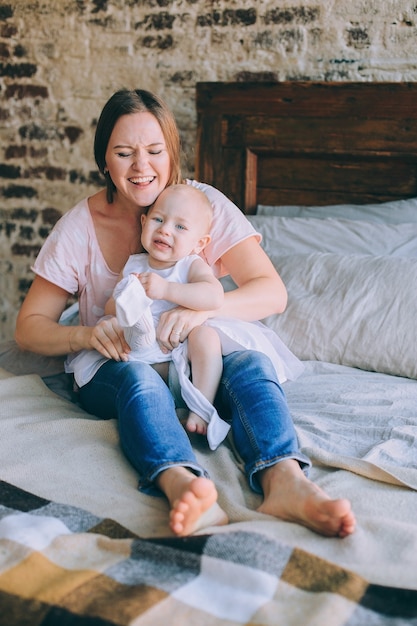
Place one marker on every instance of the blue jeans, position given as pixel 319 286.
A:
pixel 249 398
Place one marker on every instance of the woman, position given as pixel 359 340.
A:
pixel 137 149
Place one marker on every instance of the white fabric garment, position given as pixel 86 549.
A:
pixel 133 312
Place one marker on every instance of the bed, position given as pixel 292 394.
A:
pixel 327 173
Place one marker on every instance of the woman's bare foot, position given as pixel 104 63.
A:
pixel 193 501
pixel 196 424
pixel 291 496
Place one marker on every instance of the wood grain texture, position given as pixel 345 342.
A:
pixel 308 143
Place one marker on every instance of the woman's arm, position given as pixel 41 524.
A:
pixel 261 291
pixel 38 330
pixel 37 327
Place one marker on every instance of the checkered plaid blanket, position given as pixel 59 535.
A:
pixel 63 566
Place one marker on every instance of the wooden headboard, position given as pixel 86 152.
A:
pixel 306 143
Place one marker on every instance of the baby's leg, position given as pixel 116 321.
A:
pixel 205 356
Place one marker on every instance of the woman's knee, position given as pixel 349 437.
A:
pixel 139 375
pixel 121 383
pixel 248 364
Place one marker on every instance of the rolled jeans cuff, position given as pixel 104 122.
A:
pixel 147 484
pixel 253 479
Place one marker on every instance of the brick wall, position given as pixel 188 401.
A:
pixel 61 59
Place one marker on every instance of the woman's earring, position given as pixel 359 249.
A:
pixel 105 171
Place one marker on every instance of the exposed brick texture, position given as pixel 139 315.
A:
pixel 60 61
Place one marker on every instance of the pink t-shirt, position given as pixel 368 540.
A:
pixel 71 257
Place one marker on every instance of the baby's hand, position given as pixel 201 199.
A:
pixel 154 285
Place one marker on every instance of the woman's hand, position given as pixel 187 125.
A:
pixel 176 324
pixel 106 337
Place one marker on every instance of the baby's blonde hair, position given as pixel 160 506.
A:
pixel 204 208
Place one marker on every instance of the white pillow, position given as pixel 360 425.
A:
pixel 394 212
pixel 287 235
pixel 359 311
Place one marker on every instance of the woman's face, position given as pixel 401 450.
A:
pixel 137 158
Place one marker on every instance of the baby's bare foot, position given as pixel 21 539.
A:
pixel 291 496
pixel 196 508
pixel 196 424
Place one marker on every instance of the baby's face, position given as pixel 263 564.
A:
pixel 174 227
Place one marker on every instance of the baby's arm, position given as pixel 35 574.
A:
pixel 110 307
pixel 202 292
